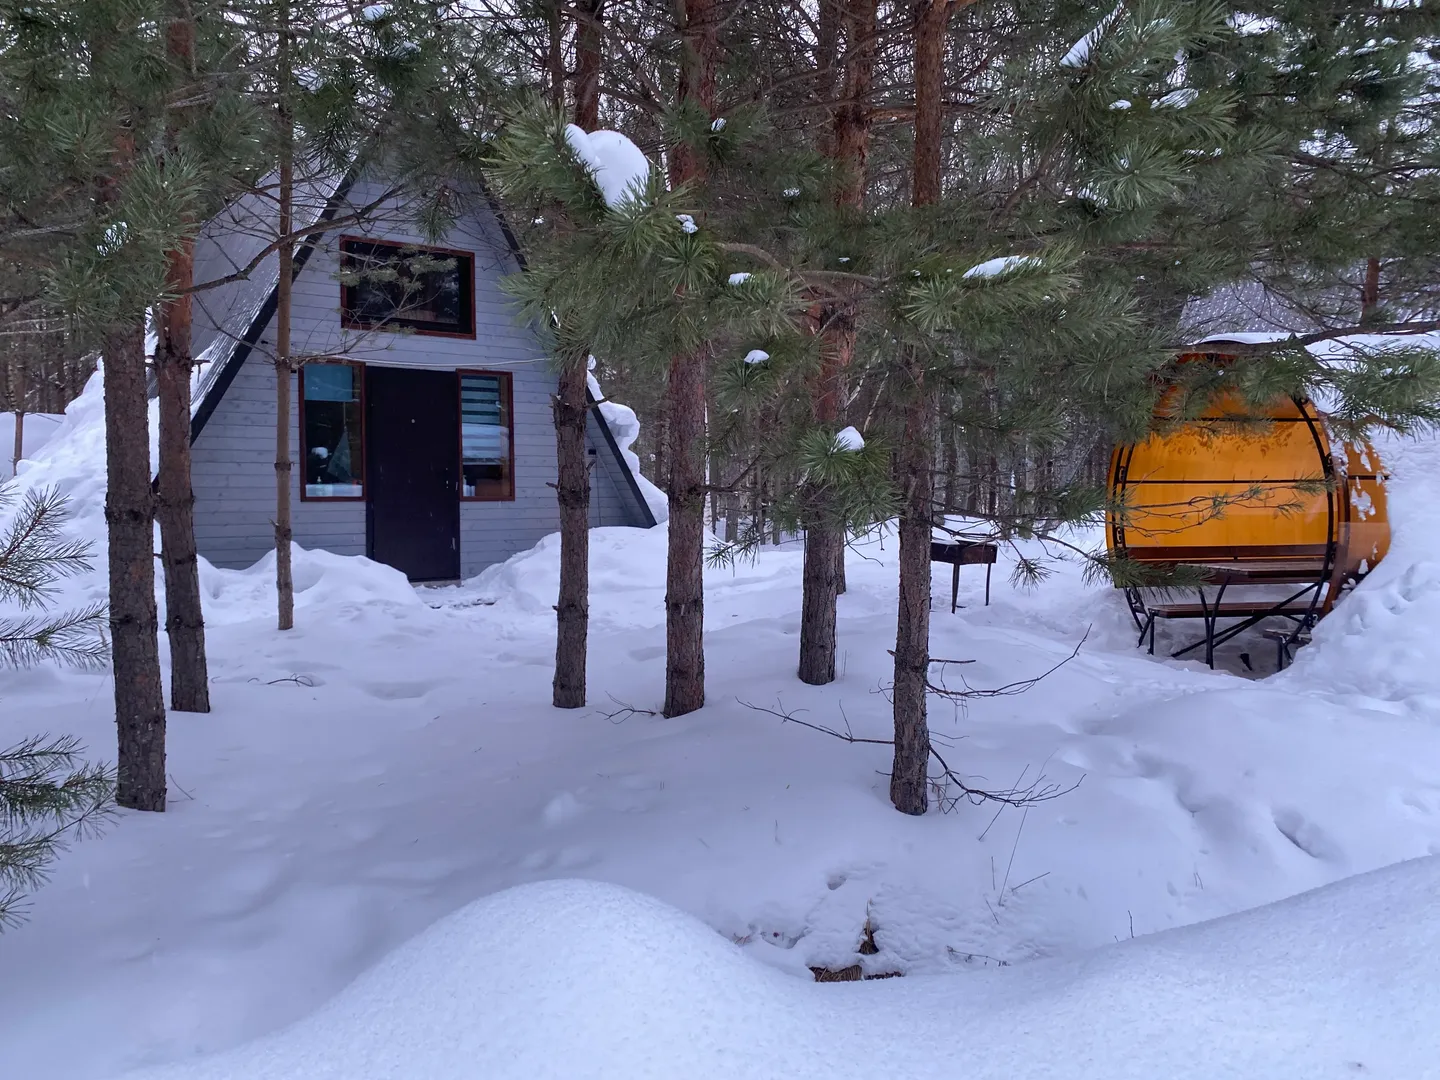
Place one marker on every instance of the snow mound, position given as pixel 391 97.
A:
pixel 627 566
pixel 322 580
pixel 1380 640
pixel 577 979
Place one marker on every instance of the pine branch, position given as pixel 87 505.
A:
pixel 48 798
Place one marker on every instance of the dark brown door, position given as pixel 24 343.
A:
pixel 412 436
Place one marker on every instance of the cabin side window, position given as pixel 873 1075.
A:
pixel 487 437
pixel 424 290
pixel 332 436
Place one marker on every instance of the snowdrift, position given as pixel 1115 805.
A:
pixel 572 979
pixel 39 428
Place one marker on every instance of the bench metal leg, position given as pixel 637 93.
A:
pixel 954 586
pixel 988 568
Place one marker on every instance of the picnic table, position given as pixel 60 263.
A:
pixel 1301 607
pixel 960 553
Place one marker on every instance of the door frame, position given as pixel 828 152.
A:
pixel 454 502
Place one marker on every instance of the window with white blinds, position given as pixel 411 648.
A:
pixel 487 443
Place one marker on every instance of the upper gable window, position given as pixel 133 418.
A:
pixel 391 286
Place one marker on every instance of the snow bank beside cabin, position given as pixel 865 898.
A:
pixel 72 460
pixel 577 979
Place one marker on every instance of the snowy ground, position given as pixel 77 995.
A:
pixel 394 758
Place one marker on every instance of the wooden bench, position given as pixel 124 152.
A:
pixel 1285 640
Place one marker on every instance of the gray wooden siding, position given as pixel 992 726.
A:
pixel 234 454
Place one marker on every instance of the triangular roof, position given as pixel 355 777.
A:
pixel 242 314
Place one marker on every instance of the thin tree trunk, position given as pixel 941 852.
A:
pixel 175 507
pixel 824 575
pixel 284 294
pixel 912 635
pixel 129 517
pixel 555 56
pixel 1370 291
pixel 951 467
pixel 571 408
pixel 685 585
pixel 686 398
pixel 572 491
pixel 824 548
pixel 929 106
pixel 589 39
pixel 17 395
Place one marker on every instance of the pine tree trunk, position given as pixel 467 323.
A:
pixel 589 39
pixel 571 409
pixel 572 491
pixel 912 633
pixel 929 106
pixel 685 413
pixel 1370 291
pixel 823 551
pixel 175 506
pixel 284 295
pixel 850 144
pixel 129 517
pixel 684 582
pixel 916 465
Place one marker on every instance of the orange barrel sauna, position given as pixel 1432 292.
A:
pixel 1251 487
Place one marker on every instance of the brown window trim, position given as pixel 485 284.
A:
pixel 364 443
pixel 401 326
pixel 507 380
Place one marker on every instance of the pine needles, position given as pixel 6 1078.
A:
pixel 48 795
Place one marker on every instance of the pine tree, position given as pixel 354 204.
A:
pixel 91 214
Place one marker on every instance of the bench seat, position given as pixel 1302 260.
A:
pixel 1237 609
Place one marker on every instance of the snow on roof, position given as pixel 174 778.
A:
pixel 624 425
pixel 584 979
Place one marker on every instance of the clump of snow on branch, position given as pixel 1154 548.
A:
pixel 1079 54
pixel 756 356
pixel 619 168
pixel 739 278
pixel 849 439
pixel 687 223
pixel 1178 99
pixel 1005 264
